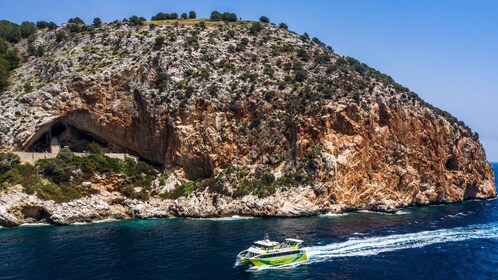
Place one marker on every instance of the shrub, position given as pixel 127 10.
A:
pixel 97 22
pixel 27 28
pixel 322 58
pixel 136 21
pixel 40 50
pixel 65 154
pixel 356 97
pixel 74 28
pixel 4 73
pixel 264 19
pixel 242 45
pixel 28 87
pixel 216 16
pixel 303 54
pixel 9 31
pixel 281 85
pixel 159 41
pixel 229 17
pixel 165 16
pixel 283 26
pixel 161 80
pixel 42 24
pixel 317 41
pixel 267 178
pixel 95 148
pixel 255 123
pixel 301 75
pixel 192 15
pixel 8 161
pixel 76 20
pixel 255 27
pixel 312 157
pixel 52 25
pixel 31 49
pixel 59 36
pixel 184 189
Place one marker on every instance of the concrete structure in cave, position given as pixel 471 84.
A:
pixel 55 146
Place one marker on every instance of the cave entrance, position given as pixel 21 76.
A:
pixel 63 134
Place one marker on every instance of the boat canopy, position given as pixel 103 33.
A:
pixel 293 240
pixel 266 243
pixel 256 251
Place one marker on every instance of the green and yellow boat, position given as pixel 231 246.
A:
pixel 266 253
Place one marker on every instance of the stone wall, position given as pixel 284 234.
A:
pixel 27 157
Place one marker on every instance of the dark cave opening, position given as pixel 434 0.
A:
pixel 452 163
pixel 62 134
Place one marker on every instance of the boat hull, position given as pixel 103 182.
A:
pixel 278 261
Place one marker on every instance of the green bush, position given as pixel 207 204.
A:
pixel 28 87
pixel 8 161
pixel 161 80
pixel 184 189
pixel 216 16
pixel 164 16
pixel 255 27
pixel 97 22
pixel 27 28
pixel 303 54
pixel 159 42
pixel 356 97
pixel 192 15
pixel 95 148
pixel 264 19
pixel 9 31
pixel 301 75
pixel 136 21
pixel 60 36
pixel 76 20
pixel 229 17
pixel 4 73
pixel 283 26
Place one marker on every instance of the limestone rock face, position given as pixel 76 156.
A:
pixel 223 95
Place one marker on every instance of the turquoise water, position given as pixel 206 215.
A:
pixel 458 241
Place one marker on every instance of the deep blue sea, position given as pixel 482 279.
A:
pixel 457 241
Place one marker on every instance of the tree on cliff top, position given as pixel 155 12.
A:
pixel 76 20
pixel 164 16
pixel 264 19
pixel 97 22
pixel 229 17
pixel 216 16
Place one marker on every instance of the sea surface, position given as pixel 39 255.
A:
pixel 457 241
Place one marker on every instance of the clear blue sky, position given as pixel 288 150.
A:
pixel 445 50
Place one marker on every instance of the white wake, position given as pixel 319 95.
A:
pixel 376 245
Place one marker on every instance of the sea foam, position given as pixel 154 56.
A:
pixel 376 245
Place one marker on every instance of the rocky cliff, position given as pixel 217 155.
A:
pixel 273 123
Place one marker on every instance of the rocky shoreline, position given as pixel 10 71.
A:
pixel 18 208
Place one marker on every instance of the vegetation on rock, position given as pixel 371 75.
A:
pixel 61 179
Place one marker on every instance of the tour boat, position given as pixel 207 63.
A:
pixel 266 253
